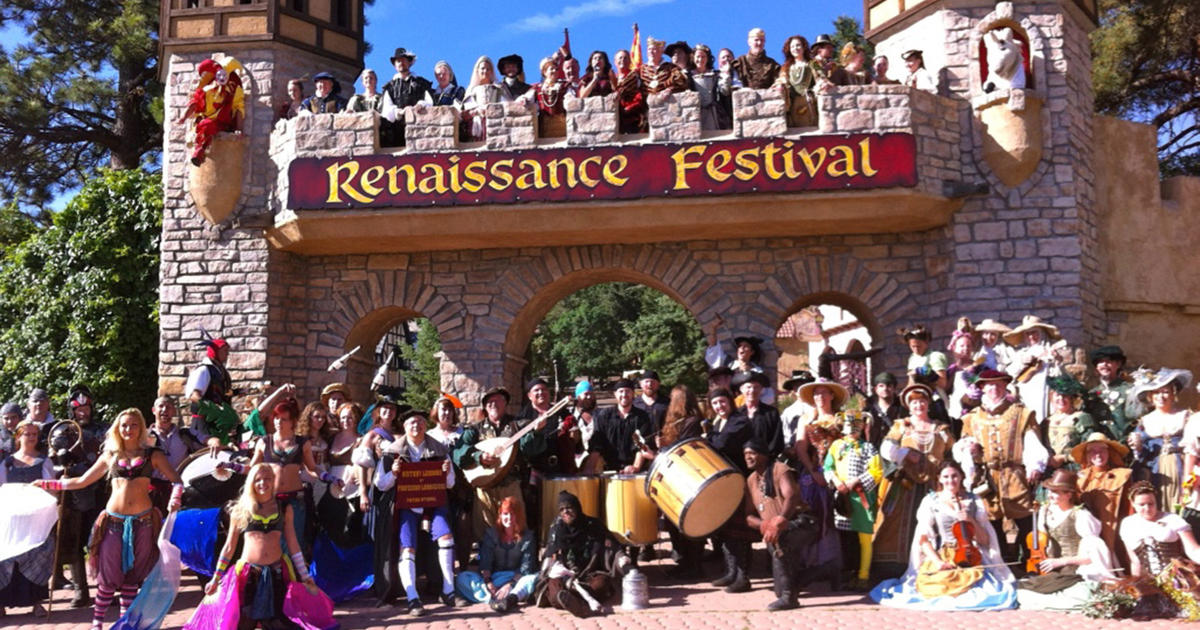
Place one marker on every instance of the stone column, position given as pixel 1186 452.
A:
pixel 759 113
pixel 674 116
pixel 431 128
pixel 511 125
pixel 591 121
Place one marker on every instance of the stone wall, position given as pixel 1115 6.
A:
pixel 674 117
pixel 511 125
pixel 759 113
pixel 591 121
pixel 431 129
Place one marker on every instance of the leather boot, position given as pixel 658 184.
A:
pixel 731 571
pixel 784 587
pixel 79 579
pixel 741 562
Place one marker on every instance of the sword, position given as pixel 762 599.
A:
pixel 340 362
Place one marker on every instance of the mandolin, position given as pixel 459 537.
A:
pixel 503 449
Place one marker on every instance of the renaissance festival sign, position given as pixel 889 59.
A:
pixel 763 165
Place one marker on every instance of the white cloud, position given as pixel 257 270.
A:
pixel 573 14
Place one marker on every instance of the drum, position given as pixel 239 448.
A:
pixel 586 487
pixel 695 487
pixel 204 485
pixel 628 511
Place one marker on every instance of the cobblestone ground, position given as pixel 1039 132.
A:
pixel 673 606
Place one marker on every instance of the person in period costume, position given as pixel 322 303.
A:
pixel 706 81
pixel 652 400
pixel 773 506
pixel 1157 443
pixel 1113 388
pixel 508 568
pixel 923 360
pixel 1103 479
pixel 912 452
pixel 796 81
pixel 23 578
pixel 210 394
pixel 267 587
pixel 497 422
pixel 620 428
pixel 1076 555
pixel 124 542
pixel 852 68
pixel 599 80
pixel 415 446
pixel 549 96
pixel 379 504
pixel 729 436
pixel 918 77
pixel 853 467
pixel 369 99
pixel 728 76
pixel 581 427
pixel 327 99
pixel 557 458
pixel 174 441
pixel 340 511
pixel 755 69
pixel 682 421
pixel 512 73
pixel 797 412
pixel 824 399
pixel 961 391
pixel 1000 441
pixel 10 417
pixel 881 74
pixel 885 408
pixel 950 520
pixel 993 352
pixel 217 104
pixel 446 92
pixel 653 76
pixel 404 90
pixel 577 567
pixel 1033 364
pixel 481 92
pixel 1162 549
pixel 1067 425
pixel 290 107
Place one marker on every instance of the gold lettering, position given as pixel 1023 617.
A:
pixel 435 181
pixel 842 166
pixel 807 158
pixel 613 175
pixel 865 147
pixel 369 179
pixel 476 175
pixel 534 174
pixel 409 179
pixel 744 159
pixel 588 180
pixel 716 165
pixel 789 163
pixel 454 183
pixel 768 154
pixel 335 183
pixel 682 165
pixel 553 168
pixel 501 178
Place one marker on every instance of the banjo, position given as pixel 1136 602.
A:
pixel 502 448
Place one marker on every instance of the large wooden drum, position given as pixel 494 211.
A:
pixel 628 511
pixel 695 487
pixel 586 487
pixel 204 485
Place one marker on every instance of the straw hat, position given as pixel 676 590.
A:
pixel 1116 450
pixel 1029 322
pixel 991 325
pixel 840 394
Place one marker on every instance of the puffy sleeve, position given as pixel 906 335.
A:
pixel 1092 547
pixel 874 472
pixel 890 448
pixel 1034 455
pixel 362 456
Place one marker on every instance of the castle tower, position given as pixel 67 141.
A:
pixel 214 271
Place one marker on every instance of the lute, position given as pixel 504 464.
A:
pixel 503 449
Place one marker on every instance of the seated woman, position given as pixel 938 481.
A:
pixel 1102 481
pixel 948 520
pixel 415 446
pixel 1161 547
pixel 1076 555
pixel 264 586
pixel 507 562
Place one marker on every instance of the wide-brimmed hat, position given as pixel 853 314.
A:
pixel 507 59
pixel 1063 480
pixel 334 388
pixel 750 376
pixel 822 40
pixel 1029 322
pixel 495 391
pixel 909 54
pixel 916 388
pixel 991 325
pixel 840 394
pixel 755 346
pixel 403 52
pixel 991 375
pixel 1116 450
pixel 1146 382
pixel 798 378
pixel 670 50
pixel 1107 352
pixel 1066 385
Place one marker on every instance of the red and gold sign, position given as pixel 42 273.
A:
pixel 766 165
pixel 420 485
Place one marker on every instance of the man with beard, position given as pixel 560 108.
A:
pixel 774 507
pixel 81 507
pixel 210 392
pixel 652 400
pixel 582 426
pixel 1113 390
pixel 624 432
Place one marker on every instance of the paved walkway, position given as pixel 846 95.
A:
pixel 672 607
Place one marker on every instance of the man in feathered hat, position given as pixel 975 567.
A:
pixel 218 104
pixel 210 392
pixel 1113 388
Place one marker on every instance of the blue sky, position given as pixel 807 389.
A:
pixel 459 32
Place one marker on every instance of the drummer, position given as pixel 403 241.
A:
pixel 683 422
pixel 624 433
pixel 774 507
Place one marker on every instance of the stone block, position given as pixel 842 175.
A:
pixel 761 128
pixel 852 120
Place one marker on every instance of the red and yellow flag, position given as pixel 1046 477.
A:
pixel 635 49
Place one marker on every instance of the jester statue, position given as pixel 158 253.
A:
pixel 217 104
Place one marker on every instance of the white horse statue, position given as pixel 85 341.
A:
pixel 1006 67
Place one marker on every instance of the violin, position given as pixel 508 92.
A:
pixel 1035 541
pixel 966 554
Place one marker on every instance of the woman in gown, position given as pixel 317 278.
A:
pixel 912 451
pixel 23 578
pixel 1161 547
pixel 1156 443
pixel 934 581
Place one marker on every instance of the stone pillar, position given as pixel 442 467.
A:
pixel 511 125
pixel 592 120
pixel 674 116
pixel 431 128
pixel 759 113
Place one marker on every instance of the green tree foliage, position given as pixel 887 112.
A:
pixel 423 377
pixel 1146 67
pixel 81 297
pixel 76 93
pixel 605 329
pixel 846 30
